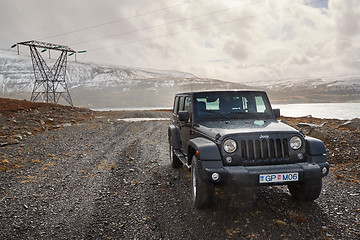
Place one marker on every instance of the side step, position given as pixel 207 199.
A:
pixel 182 158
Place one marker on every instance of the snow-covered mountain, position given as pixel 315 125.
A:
pixel 99 86
pixel 16 74
pixel 347 82
pixel 326 89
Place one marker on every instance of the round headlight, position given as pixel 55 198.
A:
pixel 230 146
pixel 295 142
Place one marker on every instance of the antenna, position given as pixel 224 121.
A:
pixel 50 83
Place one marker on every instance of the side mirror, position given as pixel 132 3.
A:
pixel 183 116
pixel 276 112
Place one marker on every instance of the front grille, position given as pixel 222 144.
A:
pixel 264 150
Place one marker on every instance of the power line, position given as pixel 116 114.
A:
pixel 117 20
pixel 206 26
pixel 165 24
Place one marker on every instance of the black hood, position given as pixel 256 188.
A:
pixel 243 127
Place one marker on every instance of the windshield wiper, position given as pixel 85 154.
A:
pixel 217 113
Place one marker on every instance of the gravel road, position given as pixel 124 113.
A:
pixel 107 178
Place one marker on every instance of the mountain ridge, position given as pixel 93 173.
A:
pixel 102 86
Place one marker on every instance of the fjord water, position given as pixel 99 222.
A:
pixel 343 111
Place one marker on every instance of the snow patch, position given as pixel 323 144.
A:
pixel 143 119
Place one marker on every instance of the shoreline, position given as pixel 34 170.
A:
pixel 340 111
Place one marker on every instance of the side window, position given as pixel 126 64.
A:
pixel 187 106
pixel 181 104
pixel 176 105
pixel 245 104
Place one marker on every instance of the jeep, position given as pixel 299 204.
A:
pixel 234 137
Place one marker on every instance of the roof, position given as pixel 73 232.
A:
pixel 219 91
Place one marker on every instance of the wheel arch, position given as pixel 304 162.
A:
pixel 315 146
pixel 173 134
pixel 191 153
pixel 204 148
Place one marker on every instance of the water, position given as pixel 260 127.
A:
pixel 343 111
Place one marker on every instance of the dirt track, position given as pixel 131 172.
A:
pixel 109 179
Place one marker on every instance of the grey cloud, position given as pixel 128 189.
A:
pixel 298 41
pixel 346 15
pixel 236 49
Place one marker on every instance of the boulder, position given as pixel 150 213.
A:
pixel 318 133
pixel 353 124
pixel 314 130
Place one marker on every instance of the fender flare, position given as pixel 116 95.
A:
pixel 315 146
pixel 174 134
pixel 208 150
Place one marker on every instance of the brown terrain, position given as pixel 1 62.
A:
pixel 72 173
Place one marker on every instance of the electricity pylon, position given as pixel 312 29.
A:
pixel 50 83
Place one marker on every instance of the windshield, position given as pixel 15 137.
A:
pixel 231 105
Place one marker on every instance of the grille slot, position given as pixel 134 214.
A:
pixel 264 150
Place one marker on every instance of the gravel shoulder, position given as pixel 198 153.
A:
pixel 105 178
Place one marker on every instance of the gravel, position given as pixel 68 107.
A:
pixel 103 178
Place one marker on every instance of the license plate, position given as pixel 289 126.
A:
pixel 279 177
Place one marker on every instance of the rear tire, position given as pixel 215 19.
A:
pixel 306 191
pixel 202 192
pixel 174 160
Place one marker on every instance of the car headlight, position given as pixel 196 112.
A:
pixel 295 142
pixel 230 146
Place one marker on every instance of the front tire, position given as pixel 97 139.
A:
pixel 306 191
pixel 174 160
pixel 202 192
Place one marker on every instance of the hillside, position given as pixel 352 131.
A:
pixel 99 86
pixel 327 89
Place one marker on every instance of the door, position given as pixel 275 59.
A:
pixel 185 127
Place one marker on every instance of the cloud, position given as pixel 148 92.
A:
pixel 346 15
pixel 232 40
pixel 237 50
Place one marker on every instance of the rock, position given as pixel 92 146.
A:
pixel 318 133
pixel 353 124
pixel 314 130
pixel 10 141
pixel 311 125
pixel 17 136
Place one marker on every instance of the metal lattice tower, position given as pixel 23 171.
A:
pixel 50 83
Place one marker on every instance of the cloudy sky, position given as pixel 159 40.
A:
pixel 233 40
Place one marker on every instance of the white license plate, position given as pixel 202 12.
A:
pixel 279 177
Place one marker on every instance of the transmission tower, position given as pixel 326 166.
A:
pixel 50 83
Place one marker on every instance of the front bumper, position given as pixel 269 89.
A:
pixel 249 175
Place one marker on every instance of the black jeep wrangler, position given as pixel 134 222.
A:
pixel 233 137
